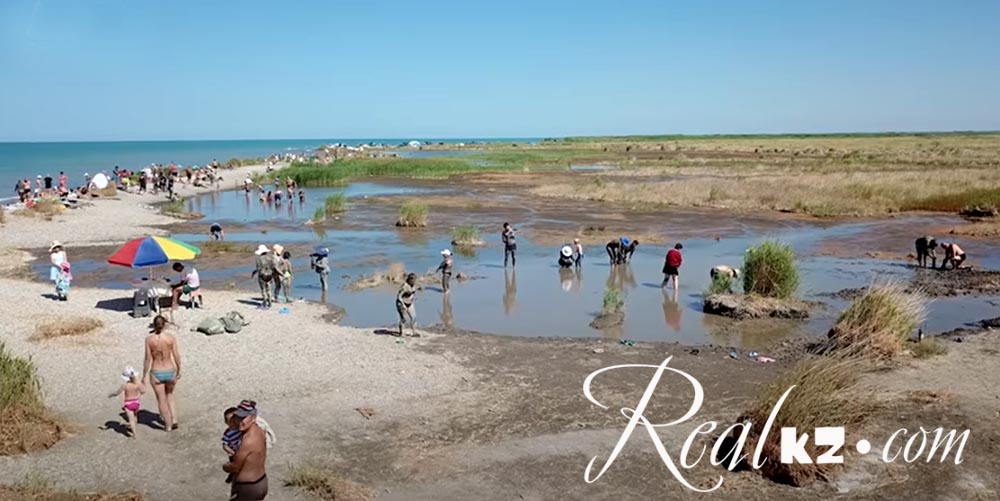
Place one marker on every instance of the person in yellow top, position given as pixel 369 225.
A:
pixel 952 254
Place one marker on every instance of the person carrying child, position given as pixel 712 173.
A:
pixel 131 391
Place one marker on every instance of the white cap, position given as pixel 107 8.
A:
pixel 128 373
pixel 446 253
pixel 261 249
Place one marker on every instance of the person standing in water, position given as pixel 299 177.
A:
pixel 405 299
pixel 509 245
pixel 577 252
pixel 672 265
pixel 320 263
pixel 445 269
pixel 162 368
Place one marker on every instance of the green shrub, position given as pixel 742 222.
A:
pixel 335 203
pixel 769 270
pixel 336 173
pixel 879 321
pixel 613 301
pixel 20 387
pixel 175 206
pixel 412 214
pixel 466 235
pixel 721 284
pixel 320 215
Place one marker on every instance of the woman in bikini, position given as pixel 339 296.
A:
pixel 163 368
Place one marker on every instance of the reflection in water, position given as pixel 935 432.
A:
pixel 446 316
pixel 509 291
pixel 577 280
pixel 413 237
pixel 671 310
pixel 322 297
pixel 621 276
pixel 468 251
pixel 566 279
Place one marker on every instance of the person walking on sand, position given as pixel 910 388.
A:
pixel 445 268
pixel 672 265
pixel 57 256
pixel 162 368
pixel 509 245
pixel 248 465
pixel 405 299
pixel 131 391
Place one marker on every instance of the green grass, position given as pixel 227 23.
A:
pixel 467 234
pixel 412 214
pixel 320 215
pixel 769 270
pixel 927 348
pixel 175 206
pixel 832 135
pixel 721 284
pixel 20 386
pixel 878 323
pixel 341 171
pixel 239 162
pixel 335 203
pixel 613 301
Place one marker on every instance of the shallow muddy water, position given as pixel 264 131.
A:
pixel 537 298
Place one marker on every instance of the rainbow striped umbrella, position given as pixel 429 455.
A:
pixel 152 251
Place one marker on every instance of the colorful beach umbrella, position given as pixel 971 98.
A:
pixel 152 251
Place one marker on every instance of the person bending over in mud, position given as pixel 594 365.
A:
pixel 628 249
pixel 445 269
pixel 614 250
pixel 162 368
pixel 509 245
pixel 953 254
pixel 405 299
pixel 925 249
pixel 724 271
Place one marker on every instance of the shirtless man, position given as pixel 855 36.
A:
pixel 162 368
pixel 248 466
pixel 953 254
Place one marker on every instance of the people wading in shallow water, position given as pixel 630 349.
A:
pixel 162 368
pixel 577 252
pixel 445 269
pixel 509 245
pixel 672 265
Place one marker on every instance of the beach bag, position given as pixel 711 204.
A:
pixel 233 322
pixel 211 326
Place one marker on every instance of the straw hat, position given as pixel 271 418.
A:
pixel 55 244
pixel 261 249
pixel 278 249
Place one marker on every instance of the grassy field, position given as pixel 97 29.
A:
pixel 342 171
pixel 827 175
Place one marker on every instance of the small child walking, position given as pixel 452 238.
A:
pixel 131 391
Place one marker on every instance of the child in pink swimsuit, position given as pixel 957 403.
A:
pixel 131 391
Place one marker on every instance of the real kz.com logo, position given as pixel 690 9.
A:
pixel 923 445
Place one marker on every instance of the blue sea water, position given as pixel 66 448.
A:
pixel 21 160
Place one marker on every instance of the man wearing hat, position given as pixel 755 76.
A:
pixel 445 269
pixel 265 272
pixel 248 465
pixel 319 261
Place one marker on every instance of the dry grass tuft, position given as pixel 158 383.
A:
pixel 25 424
pixel 327 485
pixel 65 327
pixel 927 348
pixel 106 192
pixel 826 393
pixel 879 321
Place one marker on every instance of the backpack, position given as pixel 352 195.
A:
pixel 233 322
pixel 211 326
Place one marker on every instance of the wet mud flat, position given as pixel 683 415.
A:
pixel 937 283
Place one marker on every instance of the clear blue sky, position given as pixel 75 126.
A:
pixel 107 70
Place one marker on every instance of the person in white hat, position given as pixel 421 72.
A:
pixel 265 271
pixel 445 269
pixel 57 256
pixel 131 391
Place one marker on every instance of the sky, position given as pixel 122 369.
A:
pixel 135 70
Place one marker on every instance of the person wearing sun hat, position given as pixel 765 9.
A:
pixel 57 256
pixel 445 269
pixel 265 272
pixel 249 465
